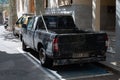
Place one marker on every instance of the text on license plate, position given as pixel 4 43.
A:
pixel 80 55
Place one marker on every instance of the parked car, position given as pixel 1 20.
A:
pixel 57 40
pixel 18 25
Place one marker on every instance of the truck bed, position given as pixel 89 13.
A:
pixel 81 44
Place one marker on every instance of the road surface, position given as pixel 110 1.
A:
pixel 16 64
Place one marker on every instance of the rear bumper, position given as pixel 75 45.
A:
pixel 17 30
pixel 81 55
pixel 94 56
pixel 80 60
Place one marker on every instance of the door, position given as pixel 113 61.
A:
pixel 30 33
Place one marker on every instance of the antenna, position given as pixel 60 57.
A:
pixel 44 21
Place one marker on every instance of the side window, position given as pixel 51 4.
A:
pixel 40 24
pixel 30 24
pixel 20 20
pixel 28 20
pixel 23 20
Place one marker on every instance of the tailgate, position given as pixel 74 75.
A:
pixel 81 43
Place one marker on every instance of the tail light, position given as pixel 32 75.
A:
pixel 55 44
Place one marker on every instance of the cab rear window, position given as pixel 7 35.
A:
pixel 59 22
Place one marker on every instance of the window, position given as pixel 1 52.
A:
pixel 67 22
pixel 23 20
pixel 52 3
pixel 40 24
pixel 57 3
pixel 30 24
pixel 20 20
pixel 51 22
pixel 64 2
pixel 59 22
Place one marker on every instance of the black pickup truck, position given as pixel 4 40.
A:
pixel 58 41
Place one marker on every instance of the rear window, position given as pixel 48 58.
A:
pixel 51 22
pixel 59 22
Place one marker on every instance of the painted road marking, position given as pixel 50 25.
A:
pixel 99 75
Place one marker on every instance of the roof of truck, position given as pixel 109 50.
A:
pixel 56 15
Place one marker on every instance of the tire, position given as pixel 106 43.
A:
pixel 44 59
pixel 24 46
pixel 20 37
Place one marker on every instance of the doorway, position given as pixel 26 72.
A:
pixel 108 15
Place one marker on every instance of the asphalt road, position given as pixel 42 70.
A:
pixel 16 64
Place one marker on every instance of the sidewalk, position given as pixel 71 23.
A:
pixel 113 60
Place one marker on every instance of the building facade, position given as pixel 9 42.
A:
pixel 25 6
pixel 88 14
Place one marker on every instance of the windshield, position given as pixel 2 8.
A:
pixel 59 22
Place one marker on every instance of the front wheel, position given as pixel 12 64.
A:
pixel 45 60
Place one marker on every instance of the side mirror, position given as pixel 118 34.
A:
pixel 24 26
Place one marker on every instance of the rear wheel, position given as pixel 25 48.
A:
pixel 45 60
pixel 24 46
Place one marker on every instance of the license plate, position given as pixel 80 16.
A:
pixel 80 55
